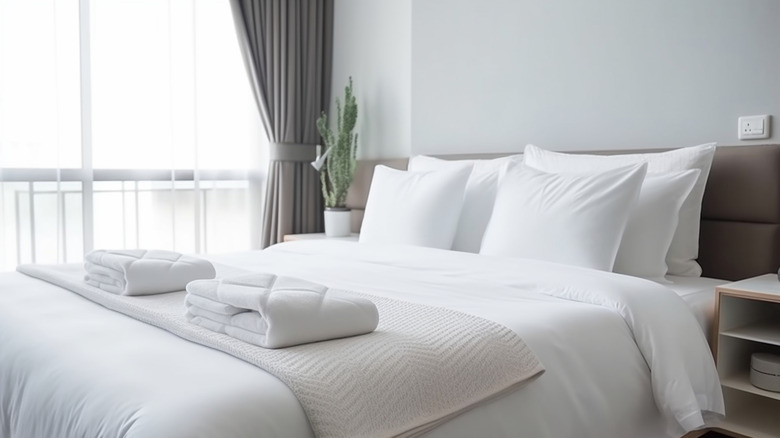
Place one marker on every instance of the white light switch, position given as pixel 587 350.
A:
pixel 753 127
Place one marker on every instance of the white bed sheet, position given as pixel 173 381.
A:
pixel 699 294
pixel 95 372
pixel 71 368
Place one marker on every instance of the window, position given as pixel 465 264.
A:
pixel 124 124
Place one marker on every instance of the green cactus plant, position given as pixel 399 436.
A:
pixel 342 144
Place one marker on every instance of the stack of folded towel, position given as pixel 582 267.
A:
pixel 143 272
pixel 275 312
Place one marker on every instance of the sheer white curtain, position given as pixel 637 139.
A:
pixel 124 124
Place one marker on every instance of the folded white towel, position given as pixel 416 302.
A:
pixel 206 323
pixel 283 311
pixel 103 275
pixel 143 272
pixel 211 305
pixel 105 286
pixel 251 321
pixel 192 311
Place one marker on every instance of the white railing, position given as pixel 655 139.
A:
pixel 42 212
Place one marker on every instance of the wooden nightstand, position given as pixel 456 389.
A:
pixel 747 320
pixel 292 237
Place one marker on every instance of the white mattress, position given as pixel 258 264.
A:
pixel 699 294
pixel 99 373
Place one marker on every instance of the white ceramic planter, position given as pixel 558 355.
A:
pixel 338 222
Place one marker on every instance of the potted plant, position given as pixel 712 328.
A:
pixel 339 166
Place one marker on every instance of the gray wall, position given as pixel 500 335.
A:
pixel 459 76
pixel 372 42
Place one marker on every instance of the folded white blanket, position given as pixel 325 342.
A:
pixel 192 311
pixel 143 272
pixel 212 306
pixel 98 275
pixel 276 312
pixel 224 314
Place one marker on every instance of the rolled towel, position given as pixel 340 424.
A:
pixel 284 311
pixel 143 272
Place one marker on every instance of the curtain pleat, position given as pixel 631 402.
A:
pixel 287 48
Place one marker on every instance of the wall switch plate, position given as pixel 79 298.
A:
pixel 753 127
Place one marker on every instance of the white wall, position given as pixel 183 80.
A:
pixel 459 76
pixel 372 43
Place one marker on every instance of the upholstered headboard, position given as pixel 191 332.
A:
pixel 740 227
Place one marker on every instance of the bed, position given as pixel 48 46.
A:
pixel 69 367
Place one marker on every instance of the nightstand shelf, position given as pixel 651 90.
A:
pixel 755 417
pixel 741 382
pixel 747 321
pixel 767 332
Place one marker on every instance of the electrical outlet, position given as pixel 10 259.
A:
pixel 753 127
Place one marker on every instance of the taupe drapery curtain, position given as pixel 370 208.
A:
pixel 287 46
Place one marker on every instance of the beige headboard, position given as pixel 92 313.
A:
pixel 740 228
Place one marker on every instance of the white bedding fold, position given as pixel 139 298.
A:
pixel 682 371
pixel 276 312
pixel 143 272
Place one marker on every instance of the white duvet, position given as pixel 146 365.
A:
pixel 71 368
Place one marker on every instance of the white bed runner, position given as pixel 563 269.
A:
pixel 422 366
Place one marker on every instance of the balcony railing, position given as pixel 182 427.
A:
pixel 43 211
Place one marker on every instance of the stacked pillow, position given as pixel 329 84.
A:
pixel 479 195
pixel 636 214
pixel 684 248
pixel 574 219
pixel 652 224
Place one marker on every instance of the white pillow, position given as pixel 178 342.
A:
pixel 684 249
pixel 652 224
pixel 414 208
pixel 478 199
pixel 571 218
